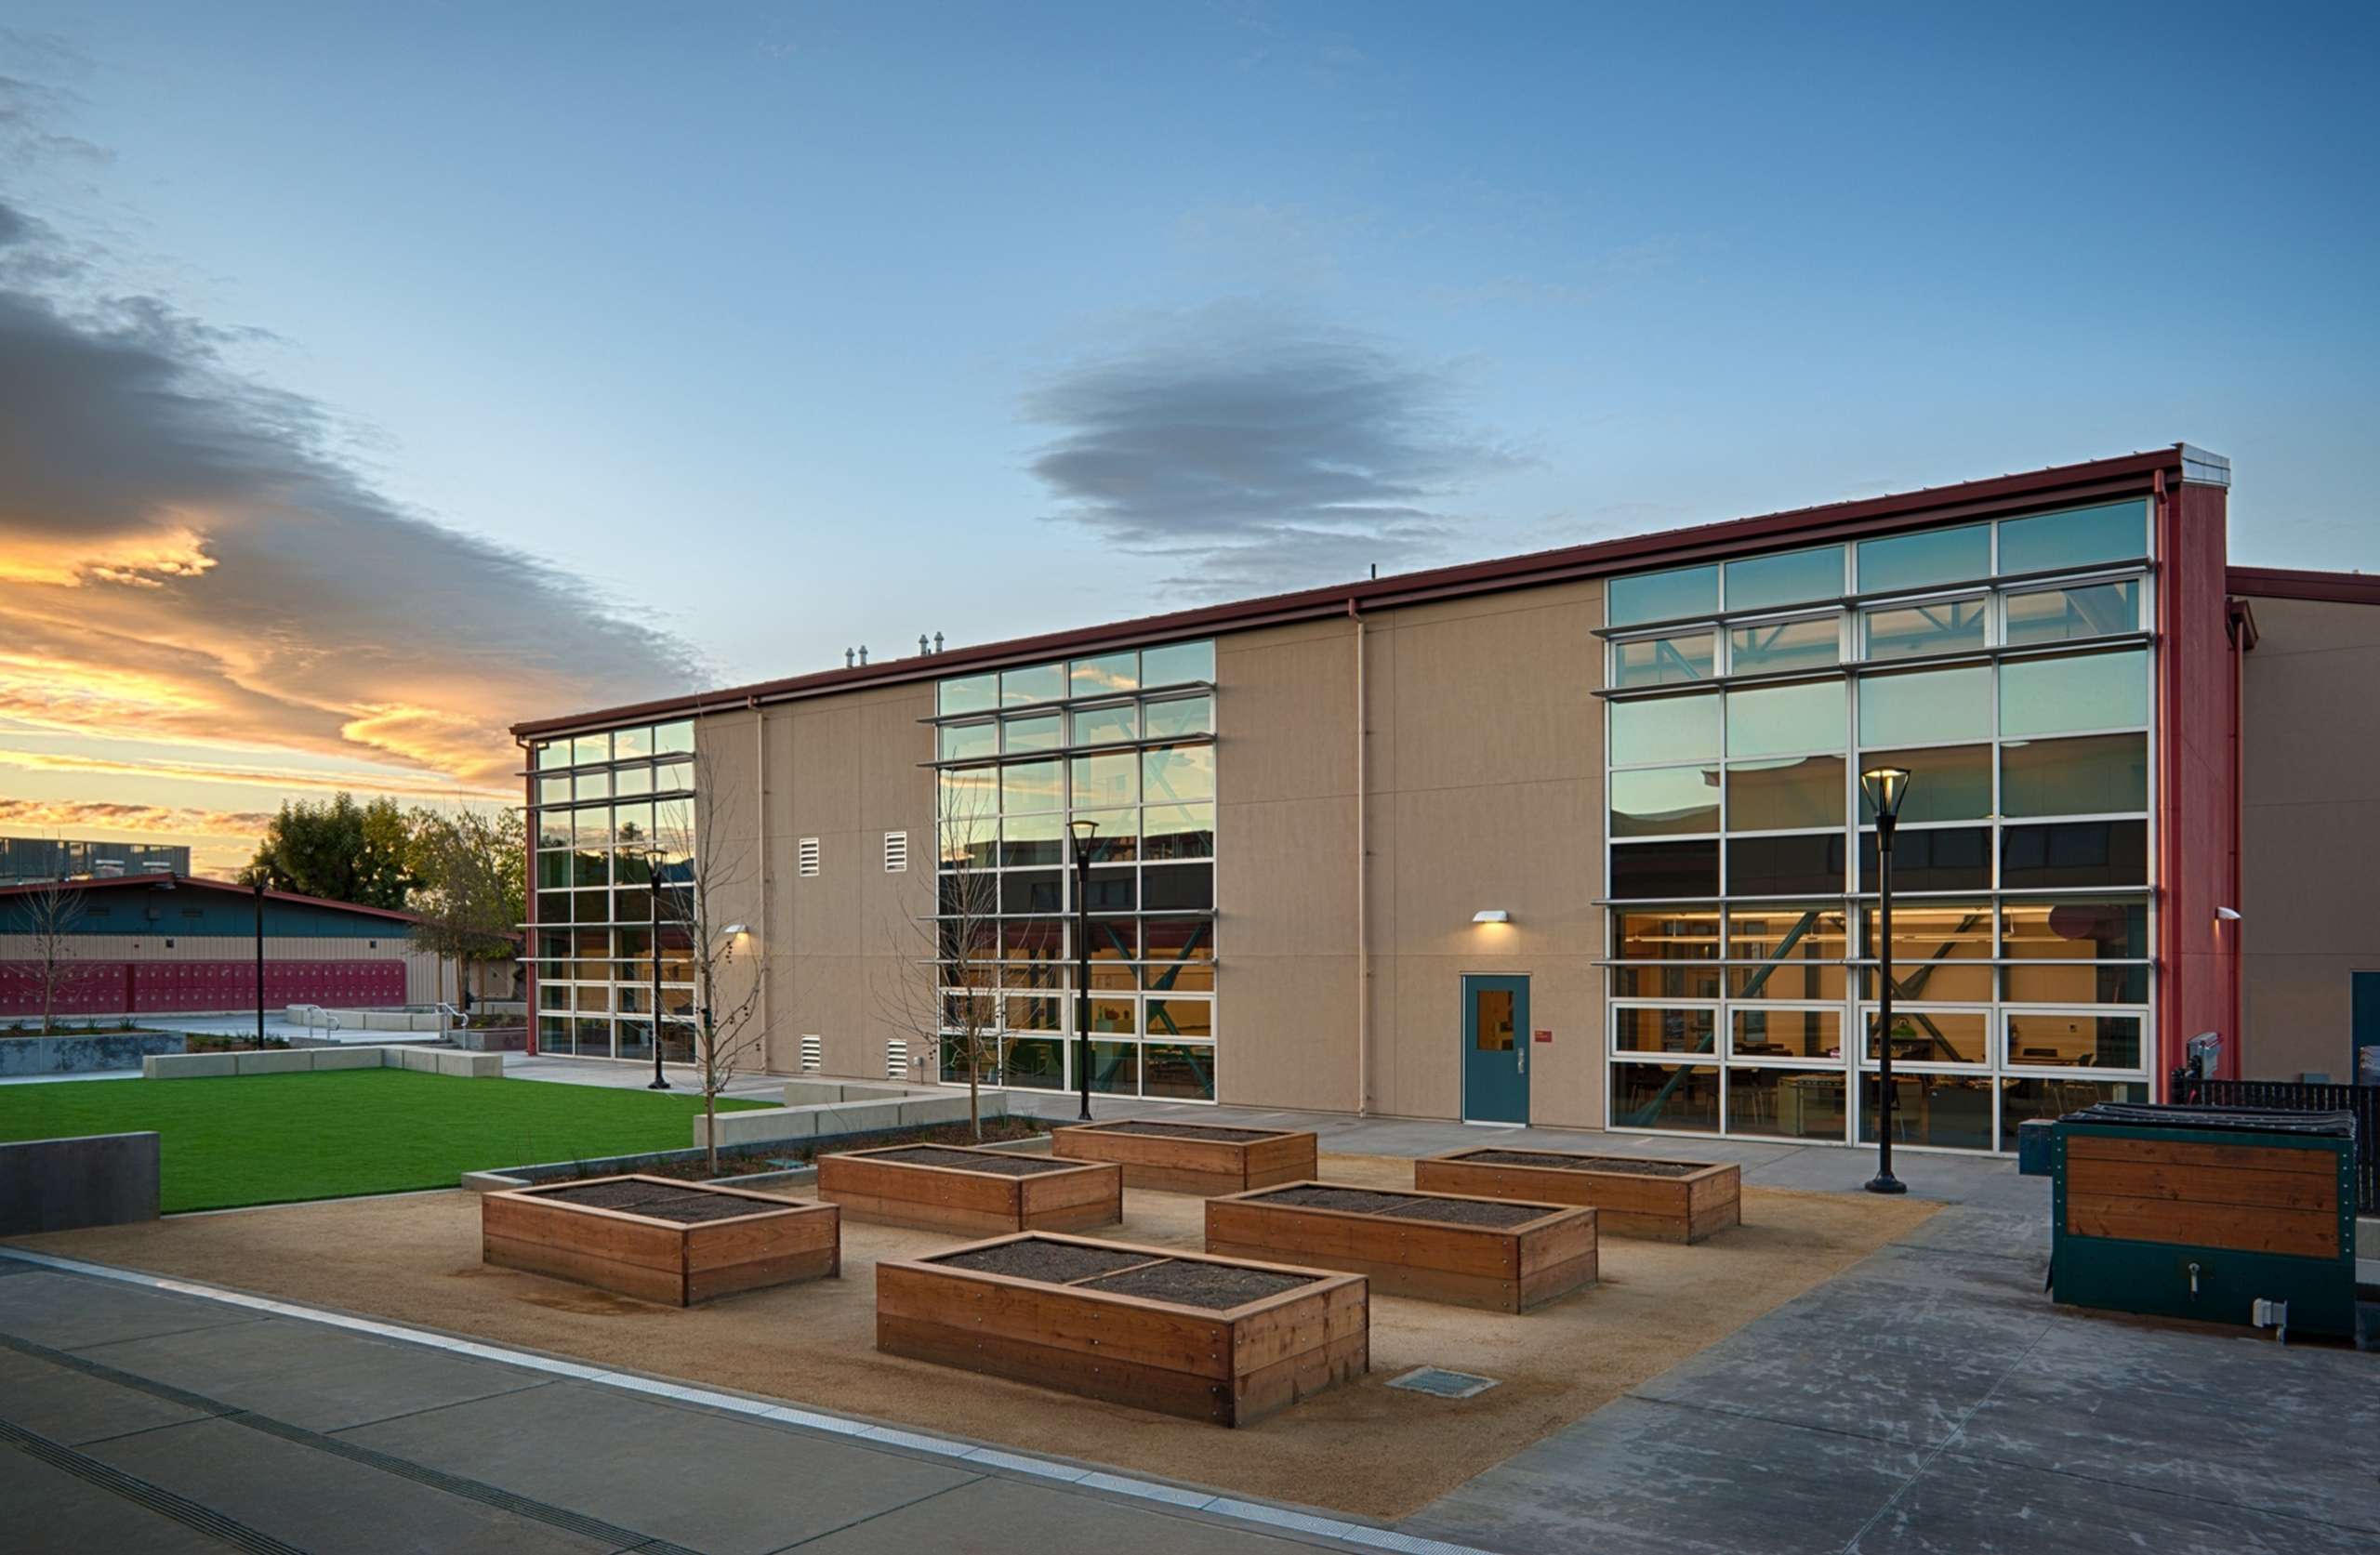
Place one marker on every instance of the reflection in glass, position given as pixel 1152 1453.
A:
pixel 1117 839
pixel 1033 840
pixel 590 749
pixel 554 791
pixel 1949 1111
pixel 2082 537
pixel 2098 774
pixel 1180 832
pixel 1798 792
pixel 627 744
pixel 1178 772
pixel 1664 729
pixel 2076 1041
pixel 674 739
pixel 1656 869
pixel 1179 718
pixel 594 1038
pixel 1785 1103
pixel 2074 853
pixel 1787 578
pixel 1934 858
pixel 2082 610
pixel 2021 1100
pixel 1947 783
pixel 1667 595
pixel 633 780
pixel 1035 1062
pixel 968 693
pixel 1180 952
pixel 1110 672
pixel 1665 1095
pixel 1115 1068
pixel 1931 1036
pixel 1928 559
pixel 1925 708
pixel 1040 683
pixel 1644 1030
pixel 1038 732
pixel 1178 1072
pixel 1773 647
pixel 1107 725
pixel 1935 626
pixel 2070 693
pixel 1777 721
pixel 593 785
pixel 1664 661
pixel 1030 786
pixel 1178 664
pixel 1178 887
pixel 1664 801
pixel 1796 1034
pixel 1796 864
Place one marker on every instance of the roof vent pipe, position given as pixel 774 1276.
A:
pixel 863 655
pixel 937 642
pixel 921 645
pixel 848 658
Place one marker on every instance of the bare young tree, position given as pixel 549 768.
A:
pixel 53 916
pixel 943 999
pixel 699 868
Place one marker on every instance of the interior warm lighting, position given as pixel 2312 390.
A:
pixel 1885 788
pixel 1491 915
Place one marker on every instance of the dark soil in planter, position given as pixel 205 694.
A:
pixel 1584 1163
pixel 1189 1130
pixel 1055 1263
pixel 1409 1206
pixel 1468 1212
pixel 782 1155
pixel 967 1160
pixel 660 1202
pixel 1191 1283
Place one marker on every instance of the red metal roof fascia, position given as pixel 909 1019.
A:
pixel 2127 474
pixel 107 881
pixel 2286 583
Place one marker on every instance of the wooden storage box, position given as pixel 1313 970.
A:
pixel 970 1189
pixel 1632 1196
pixel 1190 1157
pixel 659 1239
pixel 1228 1340
pixel 1498 1254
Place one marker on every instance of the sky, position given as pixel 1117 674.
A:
pixel 371 379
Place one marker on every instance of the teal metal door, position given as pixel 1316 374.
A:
pixel 1495 1049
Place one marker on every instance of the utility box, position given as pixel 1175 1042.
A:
pixel 2036 1147
pixel 2204 1212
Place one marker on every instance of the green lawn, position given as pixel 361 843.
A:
pixel 271 1138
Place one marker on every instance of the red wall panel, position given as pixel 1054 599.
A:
pixel 166 987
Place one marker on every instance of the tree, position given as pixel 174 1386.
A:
pixel 53 916
pixel 697 868
pixel 945 1001
pixel 339 849
pixel 468 865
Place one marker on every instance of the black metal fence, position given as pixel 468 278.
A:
pixel 2293 1096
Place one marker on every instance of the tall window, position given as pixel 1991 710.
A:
pixel 614 819
pixel 2007 665
pixel 1127 740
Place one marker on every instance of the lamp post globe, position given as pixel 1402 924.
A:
pixel 1884 787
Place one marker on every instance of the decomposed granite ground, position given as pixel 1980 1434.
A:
pixel 1366 1449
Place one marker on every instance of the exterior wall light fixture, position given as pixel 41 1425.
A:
pixel 1491 915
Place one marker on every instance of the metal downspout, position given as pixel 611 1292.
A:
pixel 1363 890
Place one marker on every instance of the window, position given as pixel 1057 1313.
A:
pixel 1040 683
pixel 674 739
pixel 2072 693
pixel 1178 664
pixel 1774 647
pixel 1110 672
pixel 966 742
pixel 2099 774
pixel 806 857
pixel 1665 934
pixel 1107 726
pixel 1787 1033
pixel 1178 772
pixel 1664 729
pixel 1656 869
pixel 896 852
pixel 1938 626
pixel 1799 865
pixel 969 693
pixel 1644 1029
pixel 1946 782
pixel 1662 801
pixel 1040 732
pixel 2089 610
pixel 1925 708
pixel 1783 794
pixel 1179 718
pixel 1928 559
pixel 1787 578
pixel 2079 1040
pixel 1929 1036
pixel 1777 721
pixel 1948 858
pixel 1664 661
pixel 2074 853
pixel 1667 595
pixel 2082 537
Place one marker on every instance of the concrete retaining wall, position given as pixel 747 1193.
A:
pixel 810 1093
pixel 308 1061
pixel 88 1054
pixel 97 1180
pixel 901 1111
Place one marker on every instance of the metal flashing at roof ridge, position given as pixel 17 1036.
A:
pixel 2057 485
pixel 200 882
pixel 2202 468
pixel 2292 583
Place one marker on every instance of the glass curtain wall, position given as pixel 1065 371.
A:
pixel 1124 739
pixel 614 819
pixel 2007 666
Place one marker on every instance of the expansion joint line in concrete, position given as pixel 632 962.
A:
pixel 140 1493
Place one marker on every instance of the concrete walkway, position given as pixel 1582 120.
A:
pixel 135 1417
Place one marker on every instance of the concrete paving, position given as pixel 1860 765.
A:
pixel 1932 1399
pixel 136 1419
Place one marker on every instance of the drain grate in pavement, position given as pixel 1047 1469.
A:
pixel 1438 1382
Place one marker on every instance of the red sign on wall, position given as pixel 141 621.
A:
pixel 1543 1035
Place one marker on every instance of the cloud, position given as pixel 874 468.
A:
pixel 185 556
pixel 1259 450
pixel 76 816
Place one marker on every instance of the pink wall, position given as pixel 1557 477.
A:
pixel 136 987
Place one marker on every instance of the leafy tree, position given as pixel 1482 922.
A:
pixel 469 869
pixel 337 850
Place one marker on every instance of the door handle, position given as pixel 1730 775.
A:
pixel 1520 1055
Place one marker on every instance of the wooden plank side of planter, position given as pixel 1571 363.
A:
pixel 1067 1368
pixel 653 1260
pixel 997 1306
pixel 615 1238
pixel 667 1286
pixel 1428 1260
pixel 1172 1164
pixel 2179 1152
pixel 929 1197
pixel 1082 1199
pixel 1285 1158
pixel 2145 1180
pixel 1627 1204
pixel 2242 1228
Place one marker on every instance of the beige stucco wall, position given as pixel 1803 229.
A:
pixel 2310 832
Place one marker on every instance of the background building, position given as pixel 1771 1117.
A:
pixel 160 943
pixel 1572 837
pixel 41 858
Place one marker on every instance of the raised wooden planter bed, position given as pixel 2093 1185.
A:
pixel 1632 1196
pixel 1229 1340
pixel 662 1240
pixel 968 1189
pixel 1498 1254
pixel 1190 1157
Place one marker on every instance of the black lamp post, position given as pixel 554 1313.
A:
pixel 1885 788
pixel 258 884
pixel 1084 832
pixel 653 939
